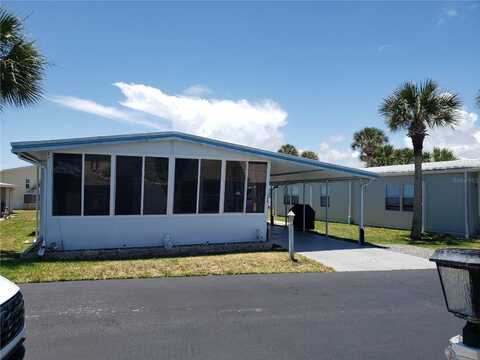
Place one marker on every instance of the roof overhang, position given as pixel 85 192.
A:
pixel 284 168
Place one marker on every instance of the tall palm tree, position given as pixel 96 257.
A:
pixel 368 141
pixel 288 149
pixel 478 99
pixel 416 108
pixel 307 154
pixel 21 64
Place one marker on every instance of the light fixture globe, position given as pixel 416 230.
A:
pixel 459 272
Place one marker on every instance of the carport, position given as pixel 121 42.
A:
pixel 6 191
pixel 290 171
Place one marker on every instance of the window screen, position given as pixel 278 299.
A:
pixel 407 201
pixel 210 173
pixel 29 198
pixel 96 198
pixel 257 177
pixel 67 184
pixel 128 181
pixel 324 197
pixel 186 182
pixel 234 186
pixel 392 197
pixel 155 186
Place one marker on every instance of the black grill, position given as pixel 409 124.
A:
pixel 12 318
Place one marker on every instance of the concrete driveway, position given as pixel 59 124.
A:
pixel 348 256
pixel 393 315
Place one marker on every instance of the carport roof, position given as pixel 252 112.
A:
pixel 285 168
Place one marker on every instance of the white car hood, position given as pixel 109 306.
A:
pixel 7 289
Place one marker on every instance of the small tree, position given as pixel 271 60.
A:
pixel 21 64
pixel 288 149
pixel 444 154
pixel 368 141
pixel 309 155
pixel 416 108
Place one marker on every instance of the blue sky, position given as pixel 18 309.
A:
pixel 256 73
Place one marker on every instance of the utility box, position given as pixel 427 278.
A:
pixel 309 217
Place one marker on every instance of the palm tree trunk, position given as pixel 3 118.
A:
pixel 416 233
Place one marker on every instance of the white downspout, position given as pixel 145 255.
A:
pixel 349 218
pixel 467 227
pixel 424 207
pixel 37 210
pixel 361 225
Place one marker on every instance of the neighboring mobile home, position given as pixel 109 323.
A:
pixel 24 184
pixel 160 189
pixel 450 201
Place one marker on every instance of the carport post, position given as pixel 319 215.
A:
pixel 271 205
pixel 361 227
pixel 326 208
pixel 304 206
pixel 284 198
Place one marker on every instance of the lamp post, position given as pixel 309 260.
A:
pixel 459 272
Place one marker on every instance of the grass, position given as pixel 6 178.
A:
pixel 384 236
pixel 18 229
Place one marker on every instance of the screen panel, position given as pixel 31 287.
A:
pixel 186 182
pixel 234 186
pixel 155 185
pixel 210 181
pixel 96 198
pixel 128 188
pixel 256 188
pixel 67 184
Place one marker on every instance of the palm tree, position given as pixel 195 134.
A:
pixel 478 98
pixel 288 149
pixel 368 141
pixel 384 155
pixel 307 154
pixel 444 154
pixel 21 64
pixel 416 108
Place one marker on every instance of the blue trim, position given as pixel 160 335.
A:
pixel 48 145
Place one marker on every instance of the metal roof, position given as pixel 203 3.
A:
pixel 428 166
pixel 52 145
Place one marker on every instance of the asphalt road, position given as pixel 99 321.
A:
pixel 362 315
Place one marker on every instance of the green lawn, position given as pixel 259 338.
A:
pixel 15 231
pixel 384 236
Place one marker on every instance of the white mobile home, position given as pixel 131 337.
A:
pixel 451 198
pixel 147 190
pixel 24 182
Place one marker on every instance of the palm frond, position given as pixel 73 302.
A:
pixel 22 66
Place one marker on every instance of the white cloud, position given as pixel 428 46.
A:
pixel 108 112
pixel 255 124
pixel 197 90
pixel 447 13
pixel 450 12
pixel 342 156
pixel 384 47
pixel 463 139
pixel 336 138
